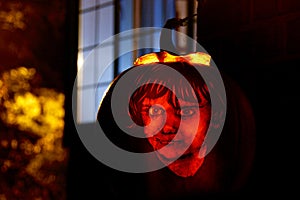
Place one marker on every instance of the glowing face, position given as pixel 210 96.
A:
pixel 163 122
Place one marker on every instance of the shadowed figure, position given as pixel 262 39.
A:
pixel 174 114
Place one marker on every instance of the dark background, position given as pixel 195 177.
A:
pixel 257 43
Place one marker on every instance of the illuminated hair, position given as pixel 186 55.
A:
pixel 176 79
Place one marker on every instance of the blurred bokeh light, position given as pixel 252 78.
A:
pixel 32 158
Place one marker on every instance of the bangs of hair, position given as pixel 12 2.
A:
pixel 156 80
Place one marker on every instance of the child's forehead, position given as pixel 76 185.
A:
pixel 167 99
pixel 150 101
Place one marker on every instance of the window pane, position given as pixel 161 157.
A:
pixel 86 105
pixel 87 4
pixel 88 70
pixel 96 26
pixel 105 16
pixel 88 29
pixel 125 61
pixel 103 1
pixel 104 63
pixel 95 62
pixel 99 94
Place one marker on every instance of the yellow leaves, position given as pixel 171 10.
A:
pixel 36 111
pixel 28 104
pixel 51 101
pixel 40 112
pixel 16 80
pixel 21 72
pixel 37 114
pixel 21 110
pixel 12 19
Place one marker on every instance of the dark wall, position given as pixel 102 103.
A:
pixel 257 44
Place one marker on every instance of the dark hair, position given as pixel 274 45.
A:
pixel 176 79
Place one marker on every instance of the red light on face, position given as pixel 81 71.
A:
pixel 163 122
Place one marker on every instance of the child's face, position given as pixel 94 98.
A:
pixel 163 122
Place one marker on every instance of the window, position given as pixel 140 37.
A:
pixel 96 23
pixel 102 19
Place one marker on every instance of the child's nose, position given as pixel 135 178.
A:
pixel 172 124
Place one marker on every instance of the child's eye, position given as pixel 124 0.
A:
pixel 156 110
pixel 187 112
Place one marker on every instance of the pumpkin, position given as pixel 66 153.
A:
pixel 221 167
pixel 225 169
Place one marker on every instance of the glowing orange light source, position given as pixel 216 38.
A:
pixel 164 57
